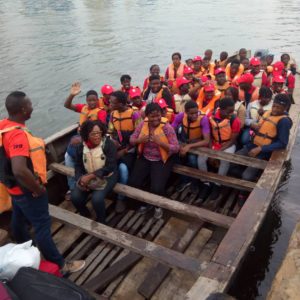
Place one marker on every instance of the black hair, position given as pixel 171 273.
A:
pixel 235 61
pixel 224 53
pixel 265 92
pixel 285 54
pixel 283 99
pixel 154 77
pixel 176 53
pixel 92 92
pixel 209 50
pixel 226 102
pixel 151 107
pixel 234 93
pixel 15 102
pixel 205 58
pixel 121 97
pixel 190 104
pixel 124 77
pixel 87 126
pixel 155 65
pixel 246 58
pixel 242 49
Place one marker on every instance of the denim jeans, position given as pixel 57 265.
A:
pixel 69 162
pixel 79 199
pixel 34 210
pixel 123 177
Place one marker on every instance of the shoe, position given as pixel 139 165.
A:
pixel 120 206
pixel 181 187
pixel 215 192
pixel 72 266
pixel 204 192
pixel 144 209
pixel 158 213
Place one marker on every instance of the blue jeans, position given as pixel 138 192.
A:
pixel 28 209
pixel 190 161
pixel 79 199
pixel 123 177
pixel 69 162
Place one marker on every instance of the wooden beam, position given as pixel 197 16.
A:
pixel 233 158
pixel 213 177
pixel 61 133
pixel 178 207
pixel 124 240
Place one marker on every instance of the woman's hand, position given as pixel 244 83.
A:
pixel 85 179
pixel 143 139
pixel 184 149
pixel 75 89
pixel 254 126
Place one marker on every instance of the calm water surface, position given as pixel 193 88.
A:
pixel 46 45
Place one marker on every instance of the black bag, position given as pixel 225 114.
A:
pixel 31 284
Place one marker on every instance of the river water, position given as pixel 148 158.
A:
pixel 45 45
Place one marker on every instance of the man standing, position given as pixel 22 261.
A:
pixel 23 172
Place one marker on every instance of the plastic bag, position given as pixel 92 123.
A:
pixel 15 256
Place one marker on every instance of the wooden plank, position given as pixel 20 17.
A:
pixel 135 244
pixel 213 177
pixel 60 134
pixel 178 207
pixel 233 158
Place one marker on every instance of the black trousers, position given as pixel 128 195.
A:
pixel 155 172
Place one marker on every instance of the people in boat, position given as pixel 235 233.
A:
pixel 222 84
pixel 123 121
pixel 239 107
pixel 175 69
pixel 183 96
pixel 135 100
pixel 208 55
pixel 259 75
pixel 23 171
pixel 208 68
pixel 222 62
pixel 157 143
pixel 277 85
pixel 106 91
pixel 246 64
pixel 225 128
pixel 154 70
pixel 207 98
pixel 247 91
pixel 126 84
pixel 255 111
pixel 96 169
pixel 157 90
pixel 89 111
pixel 189 62
pixel 279 69
pixel 242 54
pixel 193 131
pixel 167 112
pixel 271 133
pixel 188 73
pixel 197 61
pixel 234 70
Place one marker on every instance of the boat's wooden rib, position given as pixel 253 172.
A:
pixel 163 202
pixel 124 240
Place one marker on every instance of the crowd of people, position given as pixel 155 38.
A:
pixel 135 135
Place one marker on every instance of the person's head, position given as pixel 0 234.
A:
pixel 245 82
pixel 176 59
pixel 233 93
pixel 155 83
pixel 277 83
pixel 135 96
pixel 208 54
pixel 191 110
pixel 246 63
pixel 269 59
pixel 263 65
pixel 153 112
pixel 220 76
pixel 93 131
pixel 189 62
pixel 18 105
pixel 242 53
pixel 285 58
pixel 126 81
pixel 234 67
pixel 106 91
pixel 197 63
pixel 281 104
pixel 209 91
pixel 118 100
pixel 265 95
pixel 255 65
pixel 223 55
pixel 205 62
pixel 188 73
pixel 92 99
pixel 226 106
pixel 154 70
pixel 163 105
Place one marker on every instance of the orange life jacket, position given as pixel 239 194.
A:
pixel 88 114
pixel 170 115
pixel 192 129
pixel 102 104
pixel 239 73
pixel 158 131
pixel 198 74
pixel 36 153
pixel 162 79
pixel 211 104
pixel 179 72
pixel 209 71
pixel 221 132
pixel 268 129
pixel 254 96
pixel 123 121
pixel 5 199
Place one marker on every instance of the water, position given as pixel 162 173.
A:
pixel 46 45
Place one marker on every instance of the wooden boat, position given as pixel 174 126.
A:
pixel 191 252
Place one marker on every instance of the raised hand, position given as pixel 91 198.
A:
pixel 75 88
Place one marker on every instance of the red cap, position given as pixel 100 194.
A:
pixel 278 67
pixel 107 89
pixel 161 102
pixel 204 78
pixel 219 70
pixel 278 78
pixel 134 92
pixel 197 58
pixel 255 61
pixel 182 80
pixel 210 87
pixel 246 78
pixel 188 70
